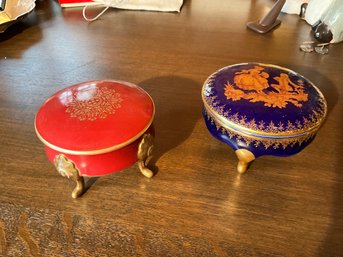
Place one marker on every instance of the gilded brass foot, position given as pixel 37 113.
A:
pixel 144 154
pixel 68 169
pixel 244 157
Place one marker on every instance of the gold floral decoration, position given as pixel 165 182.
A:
pixel 275 143
pixel 103 102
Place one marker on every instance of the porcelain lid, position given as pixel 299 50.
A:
pixel 263 100
pixel 94 117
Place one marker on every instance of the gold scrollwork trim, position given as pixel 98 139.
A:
pixel 67 168
pixel 257 141
pixel 144 154
pixel 240 122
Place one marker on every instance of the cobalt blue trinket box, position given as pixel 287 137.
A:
pixel 262 109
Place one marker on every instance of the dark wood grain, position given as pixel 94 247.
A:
pixel 197 204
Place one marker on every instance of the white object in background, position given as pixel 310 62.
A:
pixel 149 5
pixel 329 27
pixel 18 8
pixel 316 9
pixel 14 11
pixel 293 6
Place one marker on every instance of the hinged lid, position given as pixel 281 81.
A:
pixel 94 117
pixel 263 100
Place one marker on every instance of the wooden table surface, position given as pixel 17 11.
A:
pixel 196 204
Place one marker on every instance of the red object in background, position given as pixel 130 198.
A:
pixel 75 3
pixel 96 124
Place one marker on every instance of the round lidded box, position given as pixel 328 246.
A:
pixel 97 128
pixel 261 109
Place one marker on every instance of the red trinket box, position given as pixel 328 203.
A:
pixel 76 3
pixel 96 128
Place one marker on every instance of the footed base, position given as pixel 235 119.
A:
pixel 245 157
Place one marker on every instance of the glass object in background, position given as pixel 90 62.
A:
pixel 329 28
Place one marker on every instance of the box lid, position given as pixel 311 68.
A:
pixel 94 117
pixel 264 100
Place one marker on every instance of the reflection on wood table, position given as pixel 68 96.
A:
pixel 196 204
